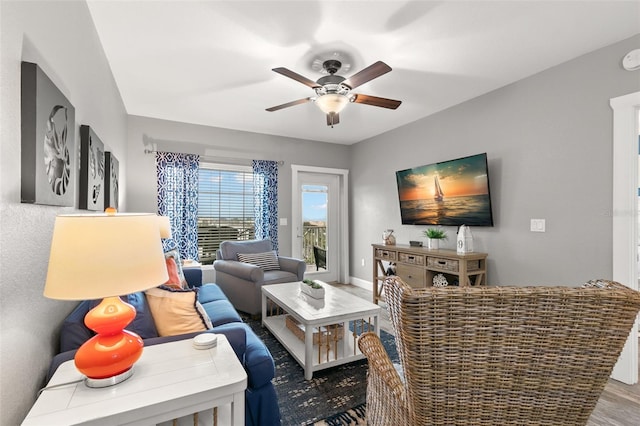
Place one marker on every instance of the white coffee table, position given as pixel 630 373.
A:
pixel 170 380
pixel 321 317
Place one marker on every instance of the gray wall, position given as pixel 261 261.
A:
pixel 61 38
pixel 225 146
pixel 549 143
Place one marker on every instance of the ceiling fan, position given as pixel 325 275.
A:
pixel 333 92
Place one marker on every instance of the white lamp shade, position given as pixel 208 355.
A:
pixel 332 103
pixel 96 256
pixel 165 227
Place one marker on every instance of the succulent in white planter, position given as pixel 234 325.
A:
pixel 434 235
pixel 312 288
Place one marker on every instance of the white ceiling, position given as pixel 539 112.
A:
pixel 209 62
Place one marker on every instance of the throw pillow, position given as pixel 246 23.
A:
pixel 174 273
pixel 174 269
pixel 177 311
pixel 267 261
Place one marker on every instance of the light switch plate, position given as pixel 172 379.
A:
pixel 538 225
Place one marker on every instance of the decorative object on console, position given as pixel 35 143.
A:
pixel 464 240
pixel 415 243
pixel 312 288
pixel 106 256
pixel 434 235
pixel 439 280
pixel 388 239
pixel 92 170
pixel 48 155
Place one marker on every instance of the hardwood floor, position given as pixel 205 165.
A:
pixel 619 404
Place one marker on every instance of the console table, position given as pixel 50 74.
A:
pixel 417 266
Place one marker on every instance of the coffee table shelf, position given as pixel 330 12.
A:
pixel 338 307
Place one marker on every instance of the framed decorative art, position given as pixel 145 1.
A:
pixel 92 170
pixel 48 157
pixel 111 180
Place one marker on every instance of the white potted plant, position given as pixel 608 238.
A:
pixel 312 288
pixel 434 235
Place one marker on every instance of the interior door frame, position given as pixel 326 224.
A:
pixel 625 217
pixel 343 214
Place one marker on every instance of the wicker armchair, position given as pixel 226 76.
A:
pixel 497 355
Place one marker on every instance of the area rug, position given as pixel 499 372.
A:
pixel 335 396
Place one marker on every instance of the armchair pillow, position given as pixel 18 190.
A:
pixel 177 311
pixel 267 261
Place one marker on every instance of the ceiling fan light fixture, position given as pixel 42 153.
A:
pixel 332 103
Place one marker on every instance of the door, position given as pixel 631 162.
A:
pixel 319 222
pixel 625 217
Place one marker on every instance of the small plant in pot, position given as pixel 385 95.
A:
pixel 312 288
pixel 434 235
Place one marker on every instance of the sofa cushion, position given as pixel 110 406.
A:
pixel 143 324
pixel 218 307
pixel 177 311
pixel 210 292
pixel 267 261
pixel 230 249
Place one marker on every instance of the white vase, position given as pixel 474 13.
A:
pixel 433 244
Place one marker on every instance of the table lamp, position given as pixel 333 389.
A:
pixel 165 227
pixel 106 256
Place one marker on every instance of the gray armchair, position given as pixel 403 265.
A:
pixel 242 282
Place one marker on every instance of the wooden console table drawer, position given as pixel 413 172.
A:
pixel 443 264
pixel 410 258
pixel 415 276
pixel 386 254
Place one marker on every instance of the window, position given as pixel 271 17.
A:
pixel 225 207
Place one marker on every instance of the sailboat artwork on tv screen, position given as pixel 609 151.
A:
pixel 449 193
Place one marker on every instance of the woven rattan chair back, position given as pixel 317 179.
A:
pixel 497 355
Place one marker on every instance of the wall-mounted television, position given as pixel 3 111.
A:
pixel 449 193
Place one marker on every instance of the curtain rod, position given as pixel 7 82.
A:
pixel 213 159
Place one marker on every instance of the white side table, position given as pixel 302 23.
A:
pixel 170 380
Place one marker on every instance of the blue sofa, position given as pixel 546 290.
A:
pixel 261 403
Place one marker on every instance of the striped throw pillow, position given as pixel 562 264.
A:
pixel 268 261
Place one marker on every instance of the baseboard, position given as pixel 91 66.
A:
pixel 367 285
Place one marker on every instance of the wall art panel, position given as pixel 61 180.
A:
pixel 111 180
pixel 92 171
pixel 48 158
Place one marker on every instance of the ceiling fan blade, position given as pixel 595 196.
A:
pixel 376 101
pixel 367 74
pixel 289 104
pixel 297 77
pixel 333 118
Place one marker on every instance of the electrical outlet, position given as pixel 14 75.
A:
pixel 362 261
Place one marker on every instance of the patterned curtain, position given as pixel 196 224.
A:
pixel 178 199
pixel 265 193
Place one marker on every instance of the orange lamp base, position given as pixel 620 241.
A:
pixel 106 359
